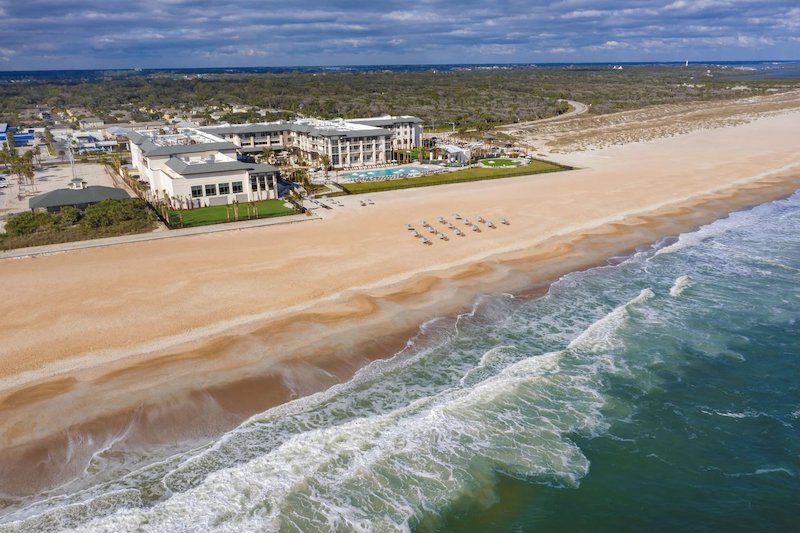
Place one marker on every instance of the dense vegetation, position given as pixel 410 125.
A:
pixel 479 98
pixel 459 176
pixel 105 219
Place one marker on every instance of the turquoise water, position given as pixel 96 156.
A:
pixel 380 173
pixel 657 393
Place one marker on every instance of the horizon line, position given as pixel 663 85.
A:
pixel 362 65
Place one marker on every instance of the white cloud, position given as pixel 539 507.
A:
pixel 496 49
pixel 582 14
pixel 608 45
pixel 404 16
pixel 696 5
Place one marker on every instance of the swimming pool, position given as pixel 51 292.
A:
pixel 384 173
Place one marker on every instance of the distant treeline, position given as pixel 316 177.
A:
pixel 478 99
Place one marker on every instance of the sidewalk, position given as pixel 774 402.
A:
pixel 153 236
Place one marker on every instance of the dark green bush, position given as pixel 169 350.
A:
pixel 112 212
pixel 27 223
pixel 69 216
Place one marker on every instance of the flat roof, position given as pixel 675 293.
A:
pixel 258 127
pixel 151 148
pixel 312 126
pixel 185 168
pixel 388 120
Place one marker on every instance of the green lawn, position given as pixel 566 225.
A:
pixel 500 162
pixel 216 214
pixel 459 176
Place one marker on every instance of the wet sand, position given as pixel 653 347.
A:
pixel 146 344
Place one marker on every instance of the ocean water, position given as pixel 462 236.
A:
pixel 661 392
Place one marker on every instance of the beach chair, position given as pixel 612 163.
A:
pixel 409 227
pixel 457 216
pixel 505 222
pixel 476 229
pixel 491 225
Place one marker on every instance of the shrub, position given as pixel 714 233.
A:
pixel 69 216
pixel 27 223
pixel 111 212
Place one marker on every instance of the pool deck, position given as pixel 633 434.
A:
pixel 414 169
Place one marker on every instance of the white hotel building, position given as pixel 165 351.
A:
pixel 348 143
pixel 191 166
pixel 200 165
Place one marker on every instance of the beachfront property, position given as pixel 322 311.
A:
pixel 406 130
pixel 77 194
pixel 348 143
pixel 195 168
pixel 455 154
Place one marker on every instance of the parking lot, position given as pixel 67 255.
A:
pixel 14 198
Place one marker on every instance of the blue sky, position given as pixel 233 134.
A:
pixel 65 34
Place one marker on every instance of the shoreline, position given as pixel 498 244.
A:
pixel 78 368
pixel 221 406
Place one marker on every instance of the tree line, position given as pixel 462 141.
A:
pixel 478 98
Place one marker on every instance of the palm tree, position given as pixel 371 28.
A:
pixel 325 160
pixel 10 143
pixel 23 168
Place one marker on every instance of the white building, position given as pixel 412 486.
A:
pixel 90 122
pixel 347 143
pixel 90 142
pixel 455 153
pixel 191 166
pixel 405 130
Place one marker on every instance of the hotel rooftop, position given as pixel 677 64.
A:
pixel 312 126
pixel 182 141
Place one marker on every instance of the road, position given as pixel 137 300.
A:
pixel 578 108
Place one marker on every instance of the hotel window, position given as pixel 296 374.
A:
pixel 253 184
pixel 197 191
pixel 224 188
pixel 237 187
pixel 211 190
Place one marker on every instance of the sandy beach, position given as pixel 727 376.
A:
pixel 146 343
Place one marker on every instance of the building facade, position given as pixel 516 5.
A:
pixel 346 143
pixel 188 167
